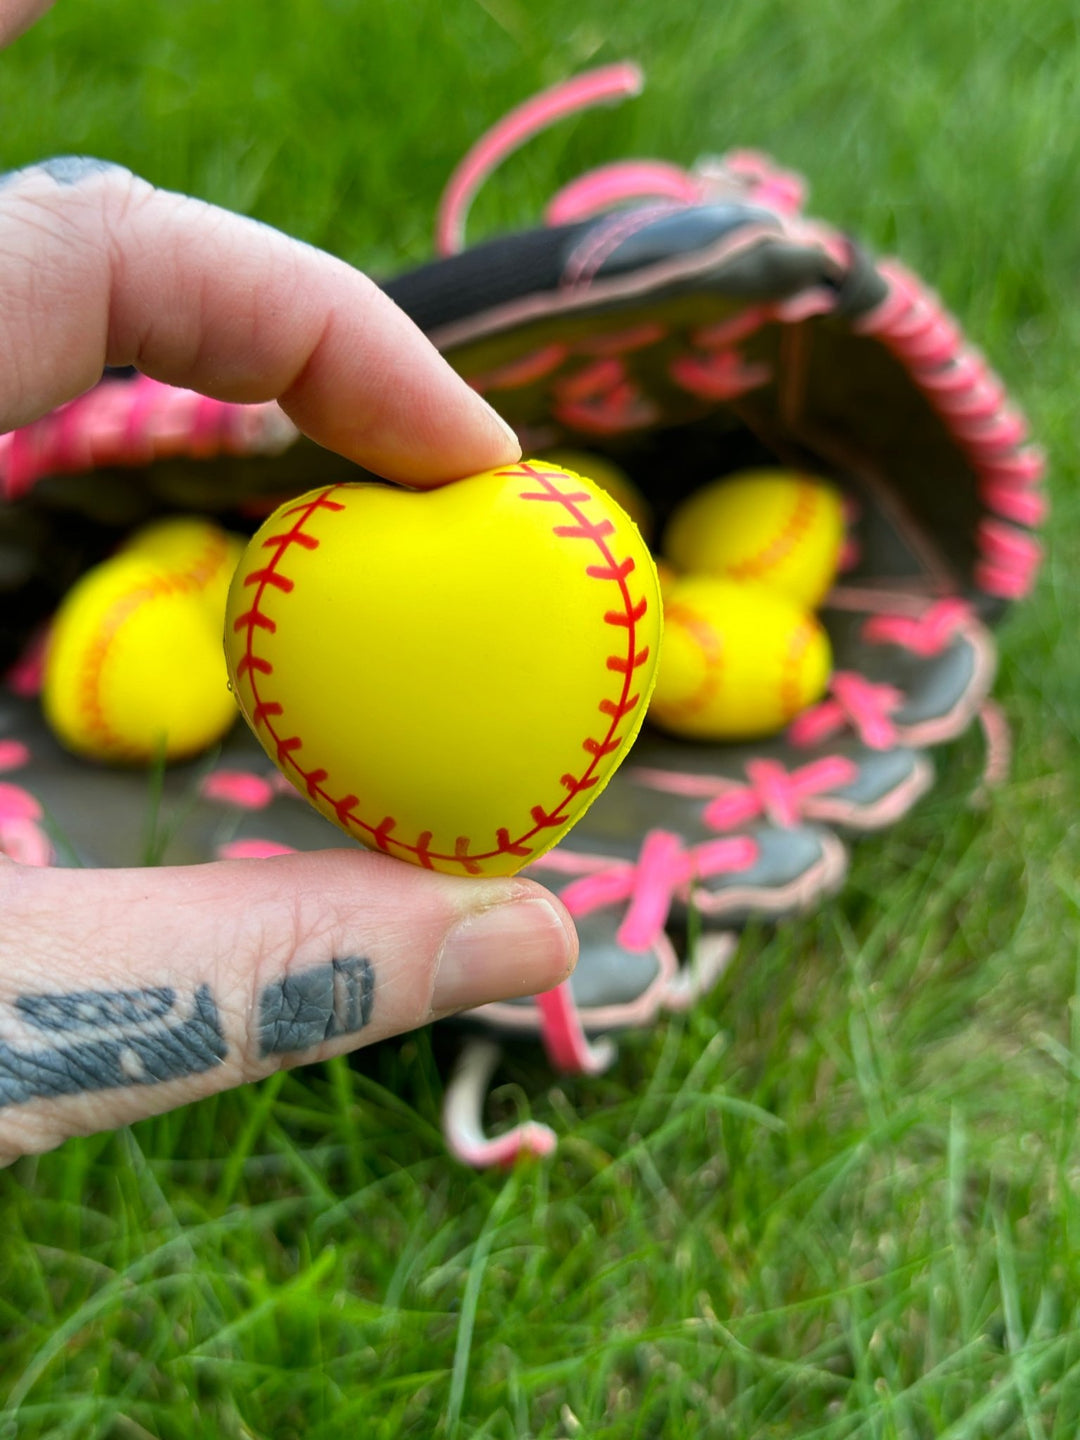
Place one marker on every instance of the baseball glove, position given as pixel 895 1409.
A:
pixel 686 325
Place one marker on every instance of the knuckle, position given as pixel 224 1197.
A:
pixel 304 986
pixel 66 185
pixel 279 935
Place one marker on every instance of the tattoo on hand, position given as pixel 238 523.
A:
pixel 311 1006
pixel 92 1009
pixel 64 169
pixel 112 1039
pixel 93 1040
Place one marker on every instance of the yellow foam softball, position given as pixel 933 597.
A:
pixel 667 575
pixel 451 676
pixel 610 477
pixel 739 660
pixel 196 549
pixel 778 527
pixel 134 666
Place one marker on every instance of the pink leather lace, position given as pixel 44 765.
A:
pixel 253 849
pixel 781 190
pixel 771 792
pixel 13 755
pixel 664 871
pixel 17 804
pixel 865 706
pixel 22 837
pixel 463 1106
pixel 868 708
pixel 26 676
pixel 595 87
pixel 131 422
pixel 563 1035
pixel 929 634
pixel 970 398
pixel 998 740
pixel 242 788
pixel 608 186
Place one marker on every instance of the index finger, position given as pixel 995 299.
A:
pixel 100 268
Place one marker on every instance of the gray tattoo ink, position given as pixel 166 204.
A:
pixel 64 169
pixel 92 1009
pixel 313 1005
pixel 111 1039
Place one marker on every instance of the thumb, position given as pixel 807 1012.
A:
pixel 124 993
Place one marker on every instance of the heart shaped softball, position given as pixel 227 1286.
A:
pixel 452 675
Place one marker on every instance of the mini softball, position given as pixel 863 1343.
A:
pixel 667 576
pixel 778 527
pixel 739 660
pixel 450 676
pixel 610 477
pixel 134 666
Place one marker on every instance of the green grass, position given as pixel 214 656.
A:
pixel 840 1200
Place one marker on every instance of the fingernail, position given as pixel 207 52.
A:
pixel 519 948
pixel 507 430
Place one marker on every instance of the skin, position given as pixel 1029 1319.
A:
pixel 125 993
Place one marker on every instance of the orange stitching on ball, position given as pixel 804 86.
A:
pixel 96 657
pixel 791 668
pixel 781 545
pixel 617 571
pixel 214 554
pixel 711 644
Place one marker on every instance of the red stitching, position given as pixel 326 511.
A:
pixel 308 509
pixel 314 780
pixel 584 531
pixel 597 748
pixel 294 537
pixel 250 662
pixel 252 617
pixel 611 571
pixel 617 709
pixel 462 856
pixel 624 664
pixel 574 786
pixel 612 617
pixel 269 577
pixel 560 499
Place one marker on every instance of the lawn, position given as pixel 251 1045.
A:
pixel 841 1199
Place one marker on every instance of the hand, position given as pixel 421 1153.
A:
pixel 124 993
